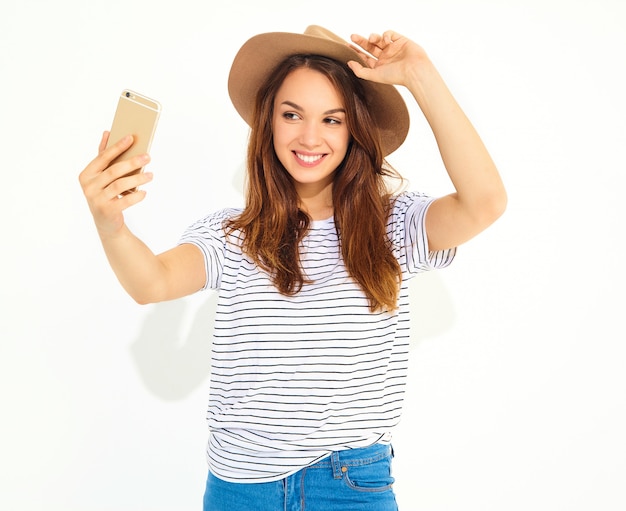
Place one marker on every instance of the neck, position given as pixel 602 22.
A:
pixel 321 213
pixel 318 204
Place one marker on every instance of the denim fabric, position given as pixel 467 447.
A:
pixel 351 480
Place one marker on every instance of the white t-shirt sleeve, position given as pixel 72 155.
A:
pixel 409 237
pixel 209 236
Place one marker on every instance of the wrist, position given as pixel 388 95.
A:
pixel 112 234
pixel 421 74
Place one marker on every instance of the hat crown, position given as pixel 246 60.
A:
pixel 322 33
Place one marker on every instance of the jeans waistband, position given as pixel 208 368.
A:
pixel 340 460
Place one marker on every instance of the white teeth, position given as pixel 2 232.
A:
pixel 309 159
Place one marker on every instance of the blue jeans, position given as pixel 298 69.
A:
pixel 351 480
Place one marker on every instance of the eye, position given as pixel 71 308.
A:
pixel 332 121
pixel 290 116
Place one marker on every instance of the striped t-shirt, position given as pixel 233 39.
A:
pixel 296 377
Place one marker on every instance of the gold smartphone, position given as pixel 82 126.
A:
pixel 136 115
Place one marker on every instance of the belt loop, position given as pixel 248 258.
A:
pixel 336 463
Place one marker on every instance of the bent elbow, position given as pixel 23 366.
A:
pixel 491 209
pixel 494 203
pixel 144 297
pixel 140 300
pixel 498 205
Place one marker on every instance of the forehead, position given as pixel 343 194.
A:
pixel 308 85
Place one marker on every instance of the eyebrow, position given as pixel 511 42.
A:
pixel 328 112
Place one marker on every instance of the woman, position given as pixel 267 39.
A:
pixel 310 347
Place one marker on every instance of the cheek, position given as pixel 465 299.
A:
pixel 280 136
pixel 280 146
pixel 343 141
pixel 281 149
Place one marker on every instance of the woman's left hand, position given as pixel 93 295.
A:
pixel 392 57
pixel 479 197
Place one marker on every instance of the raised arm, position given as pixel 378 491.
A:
pixel 479 198
pixel 145 276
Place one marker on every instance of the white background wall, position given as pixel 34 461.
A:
pixel 517 394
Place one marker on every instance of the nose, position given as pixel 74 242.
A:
pixel 310 135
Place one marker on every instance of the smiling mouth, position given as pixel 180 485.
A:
pixel 309 159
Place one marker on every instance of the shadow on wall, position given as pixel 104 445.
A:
pixel 172 365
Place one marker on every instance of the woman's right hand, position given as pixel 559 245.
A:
pixel 109 189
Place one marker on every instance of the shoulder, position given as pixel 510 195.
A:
pixel 407 214
pixel 403 202
pixel 217 219
pixel 210 228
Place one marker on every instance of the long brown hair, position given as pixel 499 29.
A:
pixel 273 225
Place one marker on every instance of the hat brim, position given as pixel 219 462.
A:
pixel 259 55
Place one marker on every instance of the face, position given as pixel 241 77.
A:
pixel 310 132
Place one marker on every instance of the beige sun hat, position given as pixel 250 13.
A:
pixel 262 53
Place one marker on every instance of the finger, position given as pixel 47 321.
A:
pixel 379 42
pixel 113 151
pixel 366 56
pixel 108 202
pixel 375 39
pixel 97 176
pixel 103 141
pixel 123 169
pixel 105 157
pixel 116 148
pixel 358 39
pixel 356 67
pixel 360 71
pixel 390 36
pixel 130 199
pixel 365 47
pixel 109 207
pixel 127 185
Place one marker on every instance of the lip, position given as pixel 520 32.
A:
pixel 308 159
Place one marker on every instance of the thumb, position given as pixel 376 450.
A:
pixel 358 69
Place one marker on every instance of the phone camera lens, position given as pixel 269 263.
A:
pixel 128 94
